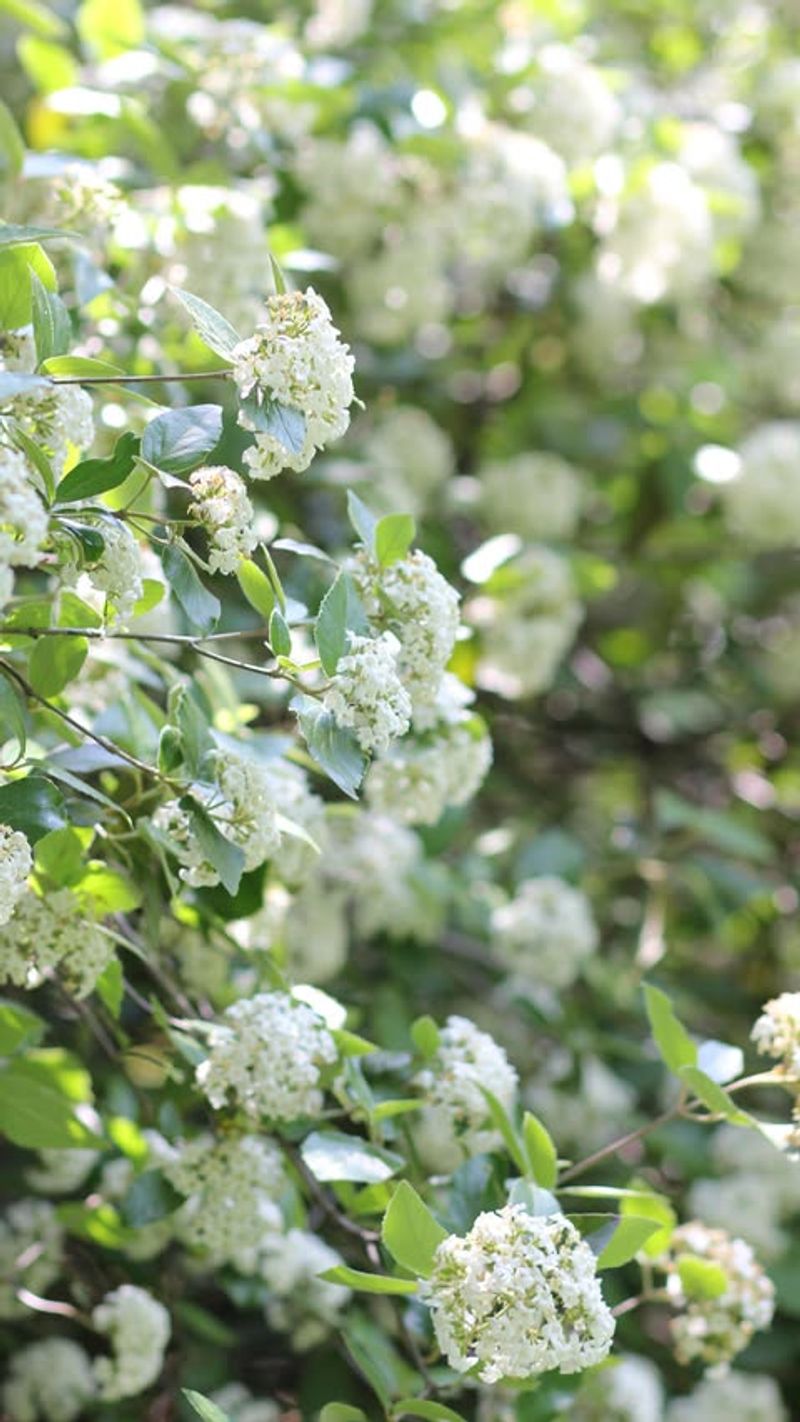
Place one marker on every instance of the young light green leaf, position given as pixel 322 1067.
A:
pixel 212 328
pixel 630 1234
pixel 675 1046
pixel 280 637
pixel 330 631
pixel 368 1283
pixel 701 1278
pixel 393 537
pixel 19 1027
pixel 38 1116
pixel 55 662
pixel 540 1150
pixel 16 299
pixel 341 1412
pixel 425 1036
pixel 714 1097
pixel 427 1408
pixel 364 522
pixel 505 1126
pixel 12 144
pixel 204 1407
pixel 256 587
pixel 410 1232
pixel 97 476
pixel 52 331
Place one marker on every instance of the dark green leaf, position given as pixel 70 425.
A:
pixel 227 858
pixel 55 662
pixel 675 1046
pixel 201 607
pixel 150 1197
pixel 285 424
pixel 179 440
pixel 330 631
pixel 280 638
pixel 52 331
pixel 12 721
pixel 336 750
pixel 97 476
pixel 32 805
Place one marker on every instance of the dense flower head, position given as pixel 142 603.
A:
pixel 266 1054
pixel 59 418
pixel 408 457
pixel 715 1324
pixel 762 503
pixel 295 359
pixel 52 932
pixel 31 1251
pixel 220 503
pixel 49 1381
pixel 538 495
pixel 745 1397
pixel 59 1172
pixel 455 1121
pixel 300 1302
pixel 350 187
pixel 777 1031
pixel 528 616
pixel 518 1296
pixel 138 1328
pixel 412 599
pixel 232 1187
pixel 367 694
pixel 629 1390
pixel 243 804
pixel 416 780
pixel 16 862
pixel 23 517
pixel 661 243
pixel 571 104
pixel 239 1405
pixel 545 933
pixel 117 572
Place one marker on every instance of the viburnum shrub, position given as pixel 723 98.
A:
pixel 399 639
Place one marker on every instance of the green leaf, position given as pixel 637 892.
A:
pixel 717 827
pixel 36 457
pixel 630 1234
pixel 191 722
pixel 99 1223
pixel 202 608
pixel 713 1096
pixel 16 299
pixel 38 1116
pixel 425 1036
pixel 336 750
pixel 179 440
pixel 227 858
pixel 675 1046
pixel 110 27
pixel 285 424
pixel 701 1278
pixel 648 1205
pixel 12 721
pixel 280 638
pixel 368 1283
pixel 19 1027
pixel 110 987
pixel 330 631
pixel 410 1232
pixel 102 891
pixel 13 234
pixel 204 1407
pixel 364 522
pixel 393 537
pixel 502 1121
pixel 341 1412
pixel 33 805
pixel 97 476
pixel 150 1197
pixel 49 66
pixel 256 587
pixel 80 365
pixel 425 1407
pixel 52 331
pixel 12 144
pixel 540 1150
pixel 217 333
pixel 35 16
pixel 55 662
pixel 333 1155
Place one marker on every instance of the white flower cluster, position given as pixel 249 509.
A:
pixel 220 247
pixel 118 571
pixel 138 1329
pixel 629 1390
pixel 31 1247
pixel 243 805
pixel 379 864
pixel 301 1303
pixel 571 104
pixel 16 862
pixel 49 1381
pixel 536 495
pixel 351 187
pixel 405 287
pixel 220 504
pixel 736 1397
pixel 412 599
pixel 528 617
pixel 367 694
pixel 762 503
pixel 51 932
pixel 232 1187
pixel 777 1031
pixel 599 1106
pixel 59 1172
pixel 713 1329
pixel 417 780
pixel 294 858
pixel 58 418
pixel 455 1121
pixel 517 1297
pixel 660 245
pixel 544 934
pixel 23 516
pixel 267 1054
pixel 238 1404
pixel 84 200
pixel 756 1194
pixel 295 359
pixel 408 459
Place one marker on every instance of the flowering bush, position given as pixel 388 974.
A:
pixel 399 518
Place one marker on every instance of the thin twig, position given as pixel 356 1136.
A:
pixel 138 379
pixel 614 1146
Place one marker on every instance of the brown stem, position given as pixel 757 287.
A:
pixel 137 379
pixel 614 1146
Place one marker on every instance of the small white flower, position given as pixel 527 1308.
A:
pixel 416 781
pixel 573 107
pixel 367 693
pixel 630 1390
pixel 408 458
pixel 762 504
pixel 50 1381
pixel 232 1187
pixel 537 495
pixel 239 1405
pixel 528 616
pixel 59 418
pixel 51 932
pixel 301 1302
pixel 29 1232
pixel 545 933
pixel 267 1053
pixel 777 1031
pixel 16 862
pixel 736 1397
pixel 138 1329
pixel 517 1297
pixel 456 1122
pixel 712 1330
pixel 117 572
pixel 23 516
pixel 243 806
pixel 59 1172
pixel 220 504
pixel 296 359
